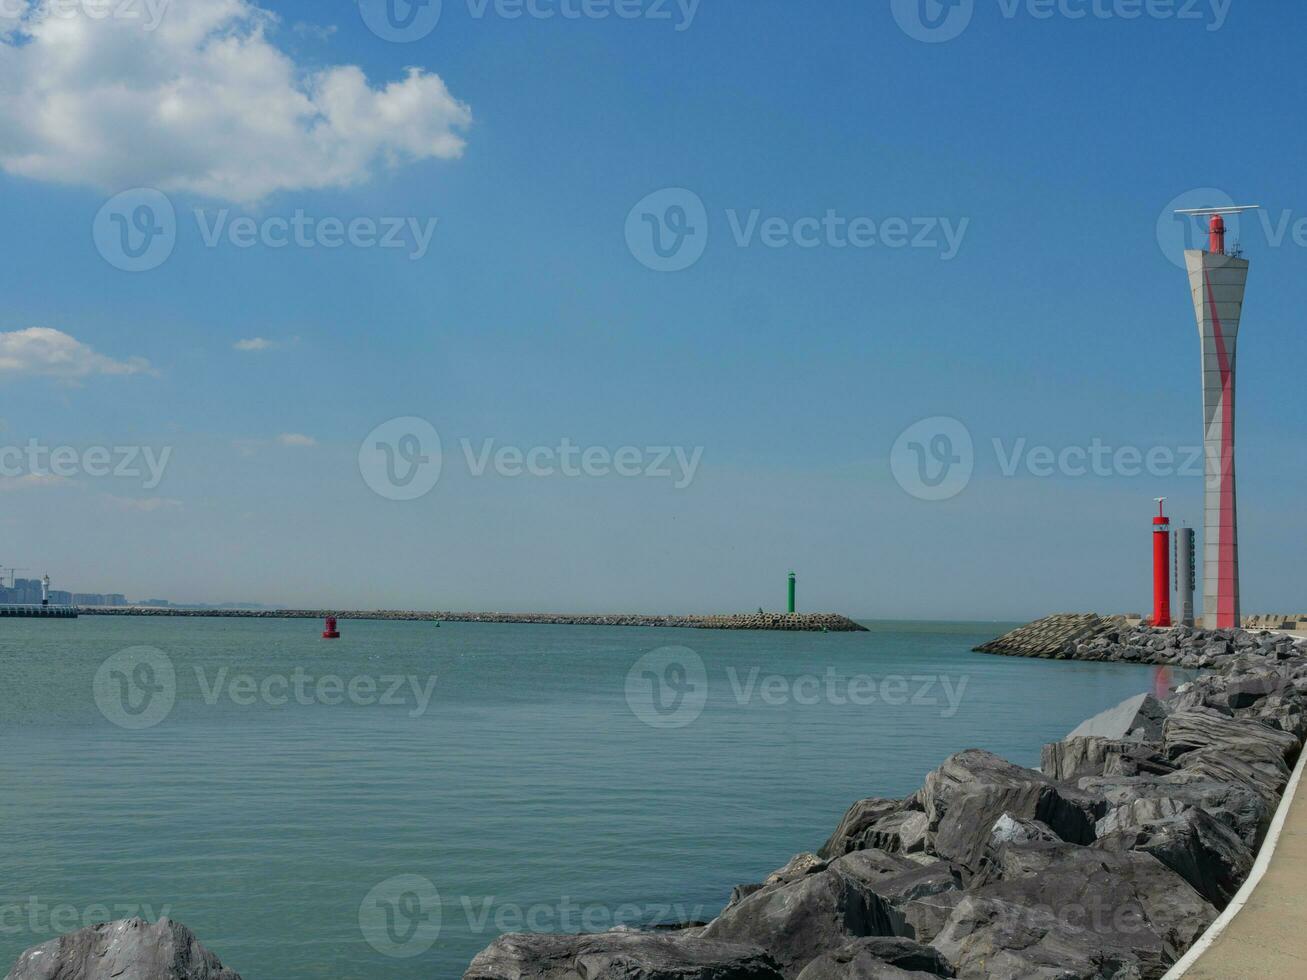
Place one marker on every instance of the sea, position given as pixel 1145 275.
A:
pixel 385 804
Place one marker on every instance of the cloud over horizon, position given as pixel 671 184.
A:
pixel 46 352
pixel 204 103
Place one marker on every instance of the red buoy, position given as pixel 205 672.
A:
pixel 330 632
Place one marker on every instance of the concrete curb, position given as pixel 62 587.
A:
pixel 1242 896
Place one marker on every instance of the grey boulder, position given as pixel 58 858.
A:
pixel 971 790
pixel 798 920
pixel 618 955
pixel 126 948
pixel 1238 805
pixel 1200 849
pixel 1138 718
pixel 1091 755
pixel 878 958
pixel 1068 912
pixel 857 818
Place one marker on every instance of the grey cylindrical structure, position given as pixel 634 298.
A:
pixel 1185 574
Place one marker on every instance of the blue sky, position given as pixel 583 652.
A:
pixel 1052 145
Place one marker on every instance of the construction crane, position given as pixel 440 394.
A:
pixel 11 569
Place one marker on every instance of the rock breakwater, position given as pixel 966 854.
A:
pixel 798 622
pixel 1085 636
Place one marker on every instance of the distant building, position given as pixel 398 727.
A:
pixel 115 599
pixel 58 597
pixel 88 599
pixel 27 590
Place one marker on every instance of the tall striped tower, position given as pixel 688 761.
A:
pixel 1216 282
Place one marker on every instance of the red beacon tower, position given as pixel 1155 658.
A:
pixel 1161 566
pixel 329 631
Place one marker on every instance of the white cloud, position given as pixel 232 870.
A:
pixel 296 439
pixel 253 343
pixel 317 32
pixel 204 103
pixel 53 353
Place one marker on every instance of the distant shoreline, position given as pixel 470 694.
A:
pixel 782 622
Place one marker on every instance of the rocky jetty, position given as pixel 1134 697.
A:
pixel 128 949
pixel 1108 862
pixel 1085 636
pixel 794 622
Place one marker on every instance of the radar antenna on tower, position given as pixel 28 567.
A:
pixel 1216 227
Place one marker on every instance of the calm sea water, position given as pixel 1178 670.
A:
pixel 539 786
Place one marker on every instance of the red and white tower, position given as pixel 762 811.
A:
pixel 1216 282
pixel 1161 567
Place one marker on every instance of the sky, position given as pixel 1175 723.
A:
pixel 633 305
